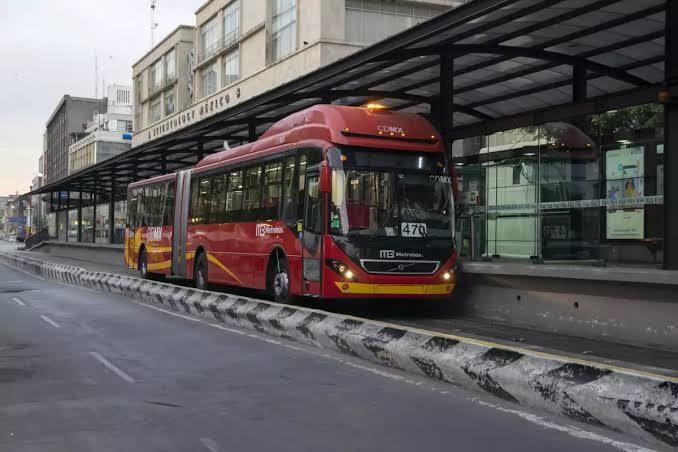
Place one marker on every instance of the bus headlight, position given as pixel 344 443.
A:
pixel 340 268
pixel 447 276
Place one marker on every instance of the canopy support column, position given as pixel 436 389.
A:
pixel 111 211
pixel 446 107
pixel 671 141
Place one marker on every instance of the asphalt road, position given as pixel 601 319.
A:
pixel 86 371
pixel 444 318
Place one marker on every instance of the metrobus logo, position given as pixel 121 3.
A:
pixel 390 129
pixel 266 229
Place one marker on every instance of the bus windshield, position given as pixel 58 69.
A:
pixel 401 202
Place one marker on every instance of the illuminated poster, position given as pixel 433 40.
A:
pixel 625 172
pixel 625 163
pixel 626 224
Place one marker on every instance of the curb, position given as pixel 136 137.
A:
pixel 638 404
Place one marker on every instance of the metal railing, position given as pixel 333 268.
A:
pixel 219 45
pixel 36 239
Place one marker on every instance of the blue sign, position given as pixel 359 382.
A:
pixel 126 136
pixel 17 220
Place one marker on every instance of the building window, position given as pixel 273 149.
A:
pixel 231 22
pixel 369 21
pixel 169 103
pixel 156 75
pixel 124 125
pixel 137 88
pixel 154 111
pixel 231 67
pixel 209 80
pixel 209 39
pixel 283 29
pixel 170 65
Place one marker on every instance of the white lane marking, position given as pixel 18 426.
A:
pixel 210 444
pixel 50 321
pixel 569 429
pixel 17 301
pixel 112 367
pixel 17 281
pixel 23 271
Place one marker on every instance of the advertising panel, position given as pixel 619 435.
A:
pixel 625 224
pixel 625 172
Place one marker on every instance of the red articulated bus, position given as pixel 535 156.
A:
pixel 331 202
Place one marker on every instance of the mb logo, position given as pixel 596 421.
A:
pixel 261 230
pixel 387 254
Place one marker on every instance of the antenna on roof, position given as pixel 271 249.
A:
pixel 154 24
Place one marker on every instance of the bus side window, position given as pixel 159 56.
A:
pixel 218 189
pixel 155 197
pixel 143 206
pixel 169 205
pixel 204 193
pixel 289 204
pixel 301 187
pixel 132 208
pixel 193 209
pixel 314 219
pixel 272 189
pixel 234 196
pixel 252 195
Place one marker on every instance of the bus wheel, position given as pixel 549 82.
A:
pixel 143 264
pixel 279 281
pixel 200 272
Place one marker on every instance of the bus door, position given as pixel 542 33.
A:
pixel 131 242
pixel 180 222
pixel 311 253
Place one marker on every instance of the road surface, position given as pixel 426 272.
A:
pixel 86 371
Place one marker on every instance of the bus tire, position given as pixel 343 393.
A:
pixel 278 279
pixel 143 264
pixel 200 271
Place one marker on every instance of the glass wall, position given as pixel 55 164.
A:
pixel 88 224
pixel 587 190
pixel 120 219
pixel 101 221
pixel 73 225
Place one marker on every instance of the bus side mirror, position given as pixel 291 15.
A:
pixel 325 181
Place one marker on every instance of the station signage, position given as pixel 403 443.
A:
pixel 201 110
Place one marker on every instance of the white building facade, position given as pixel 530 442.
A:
pixel 245 48
pixel 108 134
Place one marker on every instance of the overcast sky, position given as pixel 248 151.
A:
pixel 47 50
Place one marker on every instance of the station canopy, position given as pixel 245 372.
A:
pixel 513 63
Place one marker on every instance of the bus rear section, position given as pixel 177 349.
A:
pixel 150 225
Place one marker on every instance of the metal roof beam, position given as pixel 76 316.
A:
pixel 554 85
pixel 569 37
pixel 530 52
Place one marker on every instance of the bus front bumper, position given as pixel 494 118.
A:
pixel 356 288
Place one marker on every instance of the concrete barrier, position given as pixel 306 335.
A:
pixel 640 404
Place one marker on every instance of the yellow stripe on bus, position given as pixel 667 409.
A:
pixel 394 289
pixel 164 265
pixel 218 263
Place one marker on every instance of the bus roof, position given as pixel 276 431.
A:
pixel 338 124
